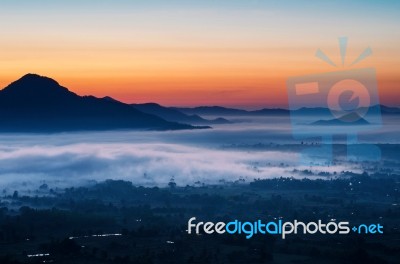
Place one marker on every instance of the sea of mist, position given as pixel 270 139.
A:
pixel 153 158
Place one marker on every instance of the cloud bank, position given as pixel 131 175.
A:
pixel 149 164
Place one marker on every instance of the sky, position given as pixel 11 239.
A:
pixel 188 53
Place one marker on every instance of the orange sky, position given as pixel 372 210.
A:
pixel 190 55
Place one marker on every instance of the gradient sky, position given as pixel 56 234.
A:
pixel 187 53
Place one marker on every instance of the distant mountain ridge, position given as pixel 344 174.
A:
pixel 351 119
pixel 173 115
pixel 225 111
pixel 36 103
pixel 211 110
pixel 40 104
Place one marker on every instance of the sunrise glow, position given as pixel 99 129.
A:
pixel 192 53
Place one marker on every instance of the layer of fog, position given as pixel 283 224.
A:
pixel 152 158
pixel 150 164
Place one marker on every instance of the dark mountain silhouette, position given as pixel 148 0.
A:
pixel 110 99
pixel 352 119
pixel 174 115
pixel 211 110
pixel 386 110
pixel 224 111
pixel 389 110
pixel 270 111
pixel 39 104
pixel 320 111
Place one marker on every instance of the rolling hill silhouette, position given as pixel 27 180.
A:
pixel 225 111
pixel 39 104
pixel 211 110
pixel 174 115
pixel 304 111
pixel 351 119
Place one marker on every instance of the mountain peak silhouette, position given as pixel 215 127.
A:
pixel 37 103
pixel 33 85
pixel 33 77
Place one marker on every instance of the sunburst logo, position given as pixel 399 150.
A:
pixel 343 51
pixel 348 99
